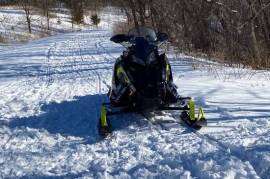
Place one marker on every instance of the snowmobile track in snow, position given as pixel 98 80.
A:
pixel 227 151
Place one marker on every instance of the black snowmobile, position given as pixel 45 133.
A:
pixel 143 81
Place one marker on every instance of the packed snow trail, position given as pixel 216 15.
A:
pixel 51 91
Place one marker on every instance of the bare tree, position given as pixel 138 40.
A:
pixel 133 9
pixel 27 6
pixel 77 10
pixel 238 32
pixel 46 6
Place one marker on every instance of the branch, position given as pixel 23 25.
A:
pixel 254 17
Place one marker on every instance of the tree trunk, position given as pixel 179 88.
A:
pixel 133 9
pixel 141 12
pixel 29 25
pixel 28 19
pixel 266 25
pixel 48 20
pixel 127 14
pixel 255 47
pixel 257 61
pixel 47 15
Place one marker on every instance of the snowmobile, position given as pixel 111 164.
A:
pixel 143 81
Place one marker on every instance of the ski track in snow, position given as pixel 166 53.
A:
pixel 51 91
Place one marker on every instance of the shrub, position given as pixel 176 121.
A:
pixel 95 19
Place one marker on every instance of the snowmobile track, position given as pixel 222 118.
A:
pixel 227 151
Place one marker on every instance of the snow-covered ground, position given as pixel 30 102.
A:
pixel 13 26
pixel 50 95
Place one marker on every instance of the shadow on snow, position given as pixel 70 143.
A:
pixel 69 118
pixel 77 118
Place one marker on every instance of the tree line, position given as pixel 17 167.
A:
pixel 235 31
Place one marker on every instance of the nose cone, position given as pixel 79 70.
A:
pixel 143 48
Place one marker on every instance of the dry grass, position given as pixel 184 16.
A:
pixel 2 39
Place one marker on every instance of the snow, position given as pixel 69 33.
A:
pixel 51 90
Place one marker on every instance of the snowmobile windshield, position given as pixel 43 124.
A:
pixel 147 33
pixel 145 44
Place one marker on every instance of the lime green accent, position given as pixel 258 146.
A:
pixel 167 72
pixel 191 105
pixel 103 117
pixel 122 74
pixel 201 114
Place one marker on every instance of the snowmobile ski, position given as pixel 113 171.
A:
pixel 195 124
pixel 189 118
pixel 187 115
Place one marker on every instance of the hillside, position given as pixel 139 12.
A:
pixel 51 90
